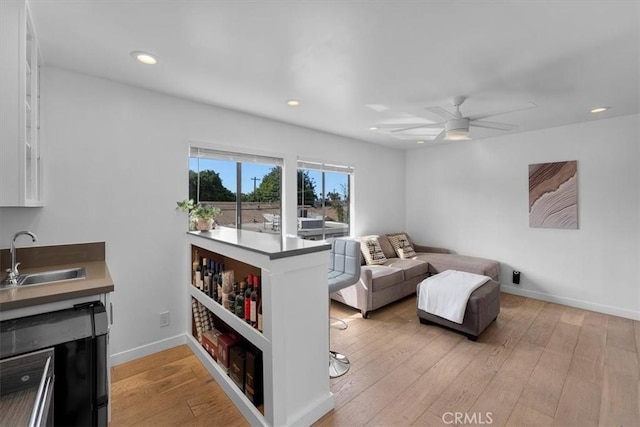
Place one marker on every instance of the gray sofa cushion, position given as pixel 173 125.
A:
pixel 410 267
pixel 441 262
pixel 384 276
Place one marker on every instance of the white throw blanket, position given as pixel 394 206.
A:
pixel 446 294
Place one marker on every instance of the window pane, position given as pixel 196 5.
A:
pixel 215 182
pixel 261 197
pixel 323 204
pixel 337 204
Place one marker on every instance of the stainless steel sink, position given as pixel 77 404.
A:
pixel 52 276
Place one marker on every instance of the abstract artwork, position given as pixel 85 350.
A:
pixel 553 195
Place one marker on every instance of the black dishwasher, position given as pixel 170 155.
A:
pixel 79 338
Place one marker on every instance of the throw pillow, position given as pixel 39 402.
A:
pixel 402 246
pixel 372 252
pixel 386 247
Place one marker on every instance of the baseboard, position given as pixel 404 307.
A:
pixel 586 305
pixel 147 349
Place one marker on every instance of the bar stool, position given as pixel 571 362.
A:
pixel 344 271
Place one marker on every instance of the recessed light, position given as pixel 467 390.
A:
pixel 293 102
pixel 373 128
pixel 599 110
pixel 419 142
pixel 144 57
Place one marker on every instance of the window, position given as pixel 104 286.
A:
pixel 246 188
pixel 324 195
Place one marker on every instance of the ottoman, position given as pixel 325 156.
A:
pixel 482 309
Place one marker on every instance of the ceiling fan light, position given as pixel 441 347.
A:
pixel 457 135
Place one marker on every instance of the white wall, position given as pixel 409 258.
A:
pixel 472 197
pixel 115 165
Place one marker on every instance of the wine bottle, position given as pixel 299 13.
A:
pixel 232 298
pixel 226 289
pixel 255 301
pixel 194 267
pixel 260 314
pixel 220 283
pixel 207 280
pixel 247 299
pixel 214 281
pixel 240 300
pixel 198 276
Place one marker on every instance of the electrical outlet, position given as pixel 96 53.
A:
pixel 516 277
pixel 165 320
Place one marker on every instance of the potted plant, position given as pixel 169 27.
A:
pixel 204 215
pixel 200 216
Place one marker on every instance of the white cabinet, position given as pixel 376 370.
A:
pixel 295 337
pixel 20 150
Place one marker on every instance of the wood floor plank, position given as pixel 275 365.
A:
pixel 422 361
pixel 465 389
pixel 544 388
pixel 501 395
pixel 368 358
pixel 564 338
pixel 388 358
pixel 148 403
pixel 523 416
pixel 375 398
pixel 177 414
pixel 426 419
pixel 572 316
pixel 592 340
pixel 620 390
pixel 149 362
pixel 409 404
pixel 132 390
pixel 621 334
pixel 541 329
pixel 579 404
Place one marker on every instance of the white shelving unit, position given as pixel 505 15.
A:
pixel 20 151
pixel 295 337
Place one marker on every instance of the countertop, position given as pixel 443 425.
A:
pixel 97 281
pixel 272 245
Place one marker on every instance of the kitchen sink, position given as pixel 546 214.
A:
pixel 52 276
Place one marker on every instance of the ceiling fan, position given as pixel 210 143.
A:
pixel 456 126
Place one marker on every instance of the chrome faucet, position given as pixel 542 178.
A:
pixel 12 277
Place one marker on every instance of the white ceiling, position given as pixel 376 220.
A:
pixel 338 57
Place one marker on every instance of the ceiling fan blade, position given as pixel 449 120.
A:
pixel 432 125
pixel 492 125
pixel 397 125
pixel 441 112
pixel 527 106
pixel 440 136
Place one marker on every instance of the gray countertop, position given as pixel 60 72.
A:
pixel 272 245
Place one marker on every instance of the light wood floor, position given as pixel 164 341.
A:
pixel 538 364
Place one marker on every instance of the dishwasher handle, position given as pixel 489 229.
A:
pixel 43 397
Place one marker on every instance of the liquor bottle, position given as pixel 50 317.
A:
pixel 232 298
pixel 227 281
pixel 198 276
pixel 240 300
pixel 214 281
pixel 207 280
pixel 220 284
pixel 194 267
pixel 247 299
pixel 254 301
